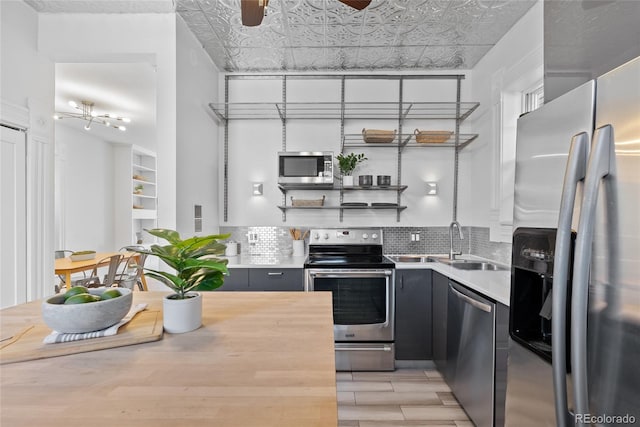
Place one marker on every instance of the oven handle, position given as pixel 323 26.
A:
pixel 380 348
pixel 341 274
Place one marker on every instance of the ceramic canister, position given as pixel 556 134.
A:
pixel 232 248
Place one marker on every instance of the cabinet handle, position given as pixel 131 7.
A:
pixel 274 273
pixel 402 282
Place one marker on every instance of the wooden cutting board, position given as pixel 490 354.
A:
pixel 27 344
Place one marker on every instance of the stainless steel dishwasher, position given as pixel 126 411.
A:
pixel 470 352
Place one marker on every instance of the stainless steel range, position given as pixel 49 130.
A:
pixel 349 263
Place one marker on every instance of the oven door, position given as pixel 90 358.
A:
pixel 363 302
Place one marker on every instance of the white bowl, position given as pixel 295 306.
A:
pixel 88 317
pixel 82 257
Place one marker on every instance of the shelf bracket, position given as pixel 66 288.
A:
pixel 403 115
pixel 221 117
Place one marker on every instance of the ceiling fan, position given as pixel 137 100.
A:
pixel 252 11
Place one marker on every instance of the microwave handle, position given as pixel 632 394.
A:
pixel 328 168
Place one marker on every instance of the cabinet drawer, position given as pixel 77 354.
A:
pixel 237 280
pixel 276 279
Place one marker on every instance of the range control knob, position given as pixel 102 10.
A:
pixel 365 236
pixel 316 236
pixel 374 236
pixel 326 236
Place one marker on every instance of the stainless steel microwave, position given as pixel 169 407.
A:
pixel 313 168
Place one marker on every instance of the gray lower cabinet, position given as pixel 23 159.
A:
pixel 413 315
pixel 237 280
pixel 264 279
pixel 439 320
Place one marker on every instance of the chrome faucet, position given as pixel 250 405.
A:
pixel 452 254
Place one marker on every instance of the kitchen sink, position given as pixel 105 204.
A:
pixel 461 264
pixel 476 265
pixel 411 258
pixel 470 264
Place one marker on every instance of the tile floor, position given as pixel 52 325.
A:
pixel 402 398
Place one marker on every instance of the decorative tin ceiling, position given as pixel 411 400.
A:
pixel 326 35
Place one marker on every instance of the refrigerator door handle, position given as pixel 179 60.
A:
pixel 574 173
pixel 601 163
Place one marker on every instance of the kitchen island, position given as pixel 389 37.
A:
pixel 260 359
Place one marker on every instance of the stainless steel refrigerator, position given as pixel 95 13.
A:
pixel 574 354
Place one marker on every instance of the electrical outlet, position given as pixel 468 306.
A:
pixel 417 237
pixel 252 237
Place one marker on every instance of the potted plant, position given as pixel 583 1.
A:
pixel 197 268
pixel 347 163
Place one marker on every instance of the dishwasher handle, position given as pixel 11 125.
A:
pixel 475 303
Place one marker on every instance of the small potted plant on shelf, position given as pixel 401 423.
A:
pixel 347 164
pixel 197 268
pixel 138 189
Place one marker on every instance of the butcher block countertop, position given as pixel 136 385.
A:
pixel 260 359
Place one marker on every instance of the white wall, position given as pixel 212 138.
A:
pixel 26 94
pixel 25 73
pixel 253 147
pixel 127 38
pixel 86 193
pixel 197 134
pixel 513 65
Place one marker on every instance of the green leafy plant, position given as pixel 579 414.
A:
pixel 194 260
pixel 348 163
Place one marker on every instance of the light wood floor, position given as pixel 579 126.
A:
pixel 405 397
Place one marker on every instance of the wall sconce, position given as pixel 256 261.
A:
pixel 257 189
pixel 432 188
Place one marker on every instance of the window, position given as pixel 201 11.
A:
pixel 533 99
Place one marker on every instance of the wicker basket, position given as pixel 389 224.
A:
pixel 432 136
pixel 307 202
pixel 378 136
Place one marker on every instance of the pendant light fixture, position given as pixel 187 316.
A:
pixel 86 113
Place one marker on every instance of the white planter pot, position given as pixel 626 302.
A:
pixel 182 315
pixel 347 181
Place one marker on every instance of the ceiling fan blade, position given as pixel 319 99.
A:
pixel 252 12
pixel 356 4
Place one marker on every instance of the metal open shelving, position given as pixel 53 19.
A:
pixel 342 111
